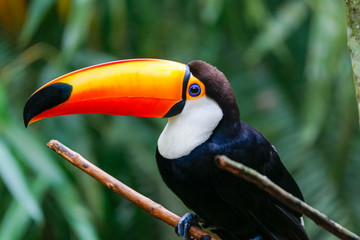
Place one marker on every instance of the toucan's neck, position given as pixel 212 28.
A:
pixel 190 129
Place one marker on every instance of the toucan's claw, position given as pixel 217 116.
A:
pixel 183 227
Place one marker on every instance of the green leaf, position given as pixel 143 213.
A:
pixel 77 29
pixel 37 11
pixel 322 66
pixel 16 182
pixel 277 29
pixel 15 223
pixel 75 213
pixel 211 10
pixel 28 146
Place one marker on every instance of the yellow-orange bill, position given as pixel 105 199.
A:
pixel 139 87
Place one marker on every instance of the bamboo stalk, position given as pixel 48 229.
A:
pixel 352 8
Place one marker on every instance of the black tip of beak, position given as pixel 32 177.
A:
pixel 46 98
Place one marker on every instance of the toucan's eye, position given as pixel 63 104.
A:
pixel 194 90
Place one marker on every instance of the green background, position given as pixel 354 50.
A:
pixel 288 64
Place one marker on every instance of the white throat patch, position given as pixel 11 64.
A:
pixel 192 127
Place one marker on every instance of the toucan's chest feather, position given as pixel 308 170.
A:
pixel 189 129
pixel 189 177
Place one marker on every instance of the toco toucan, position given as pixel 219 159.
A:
pixel 203 121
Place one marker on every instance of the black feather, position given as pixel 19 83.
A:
pixel 238 209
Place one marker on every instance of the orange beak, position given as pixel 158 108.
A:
pixel 140 87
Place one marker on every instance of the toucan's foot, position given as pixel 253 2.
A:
pixel 183 227
pixel 257 238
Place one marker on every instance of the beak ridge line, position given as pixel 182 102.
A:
pixel 186 81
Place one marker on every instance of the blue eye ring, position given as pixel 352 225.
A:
pixel 194 90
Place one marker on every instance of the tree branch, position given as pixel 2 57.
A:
pixel 118 187
pixel 222 162
pixel 280 194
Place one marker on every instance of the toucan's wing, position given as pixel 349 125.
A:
pixel 273 219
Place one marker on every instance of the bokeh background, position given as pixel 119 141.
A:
pixel 288 64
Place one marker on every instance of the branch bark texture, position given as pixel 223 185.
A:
pixel 123 190
pixel 352 8
pixel 288 199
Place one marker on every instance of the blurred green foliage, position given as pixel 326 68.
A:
pixel 288 64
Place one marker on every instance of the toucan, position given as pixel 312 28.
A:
pixel 203 122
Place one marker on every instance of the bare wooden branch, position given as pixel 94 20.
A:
pixel 118 187
pixel 288 199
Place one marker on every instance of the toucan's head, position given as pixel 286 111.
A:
pixel 195 97
pixel 139 87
